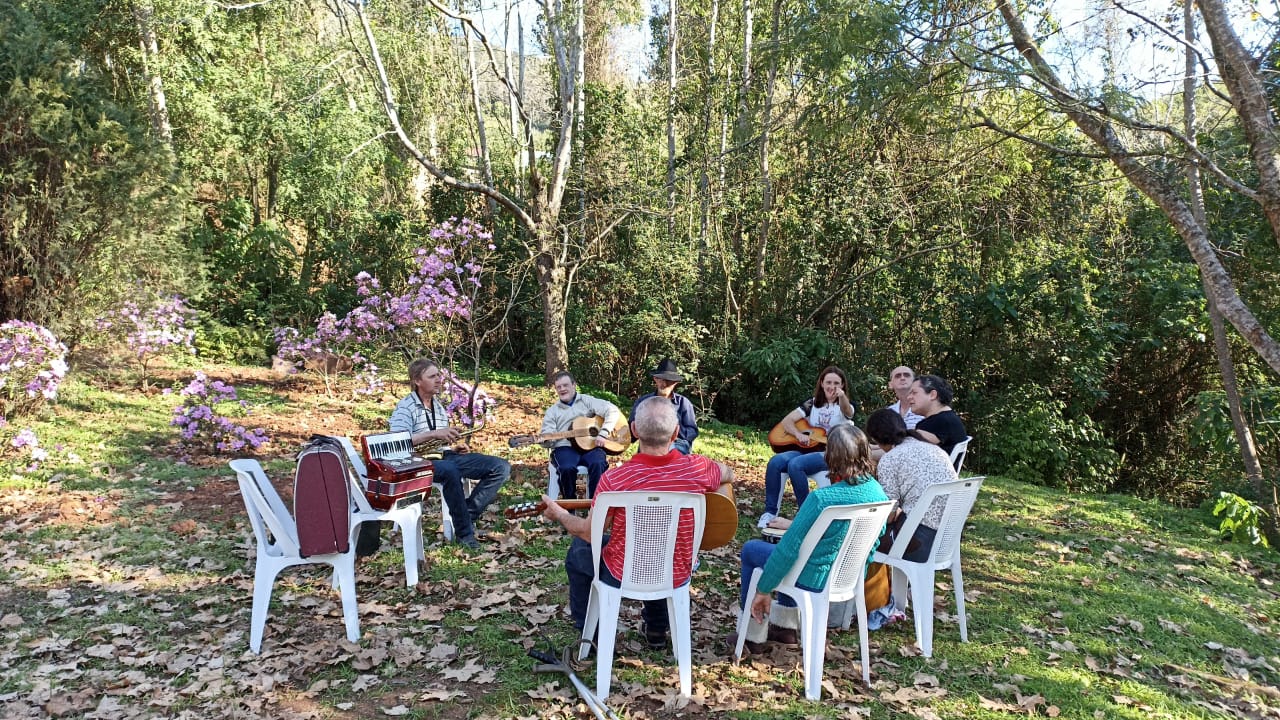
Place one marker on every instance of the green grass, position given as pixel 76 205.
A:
pixel 133 573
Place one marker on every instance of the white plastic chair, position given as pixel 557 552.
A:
pixel 822 478
pixel 959 496
pixel 845 581
pixel 553 479
pixel 653 519
pixel 277 536
pixel 408 519
pixel 959 451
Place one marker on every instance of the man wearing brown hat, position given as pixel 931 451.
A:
pixel 665 377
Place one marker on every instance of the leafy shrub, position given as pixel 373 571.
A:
pixel 439 291
pixel 32 364
pixel 1039 442
pixel 203 421
pixel 1240 519
pixel 240 345
pixel 154 328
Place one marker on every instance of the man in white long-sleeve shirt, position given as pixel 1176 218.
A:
pixel 565 456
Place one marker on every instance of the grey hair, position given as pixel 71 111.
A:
pixel 655 421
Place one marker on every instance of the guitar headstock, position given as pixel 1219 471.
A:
pixel 524 510
pixel 522 440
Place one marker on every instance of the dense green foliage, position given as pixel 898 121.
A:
pixel 1059 303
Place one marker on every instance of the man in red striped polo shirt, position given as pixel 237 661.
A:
pixel 655 467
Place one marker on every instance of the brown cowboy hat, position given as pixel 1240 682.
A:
pixel 666 370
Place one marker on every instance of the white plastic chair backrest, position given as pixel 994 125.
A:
pixel 959 496
pixel 653 521
pixel 357 480
pixel 959 451
pixel 866 524
pixel 267 512
pixel 846 569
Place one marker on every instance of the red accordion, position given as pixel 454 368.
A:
pixel 395 476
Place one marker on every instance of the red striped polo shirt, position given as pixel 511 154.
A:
pixel 672 472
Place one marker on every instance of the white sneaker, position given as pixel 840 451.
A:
pixel 765 519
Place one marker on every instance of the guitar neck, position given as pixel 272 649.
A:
pixel 528 509
pixel 582 432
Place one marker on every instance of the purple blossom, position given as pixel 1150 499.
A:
pixel 200 420
pixel 436 290
pixel 32 366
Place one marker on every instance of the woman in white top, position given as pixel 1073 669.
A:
pixel 909 466
pixel 828 408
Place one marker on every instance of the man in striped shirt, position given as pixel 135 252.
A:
pixel 656 467
pixel 422 415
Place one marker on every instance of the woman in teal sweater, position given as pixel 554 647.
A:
pixel 849 461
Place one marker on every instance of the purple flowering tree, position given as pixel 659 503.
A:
pixel 154 328
pixel 33 362
pixel 204 423
pixel 432 310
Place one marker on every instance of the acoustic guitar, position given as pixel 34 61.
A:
pixel 583 433
pixel 783 441
pixel 722 515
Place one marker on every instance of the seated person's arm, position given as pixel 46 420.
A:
pixel 928 436
pixel 789 424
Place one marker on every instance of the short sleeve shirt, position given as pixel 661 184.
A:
pixel 825 417
pixel 672 472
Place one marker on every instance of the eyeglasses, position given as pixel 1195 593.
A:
pixel 903 374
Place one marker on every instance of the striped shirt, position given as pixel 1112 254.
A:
pixel 411 415
pixel 672 472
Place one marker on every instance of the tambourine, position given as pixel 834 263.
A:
pixel 772 535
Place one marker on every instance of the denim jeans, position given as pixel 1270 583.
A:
pixel 490 474
pixel 798 467
pixel 577 565
pixel 755 553
pixel 567 459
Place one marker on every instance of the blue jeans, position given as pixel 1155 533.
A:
pixel 755 553
pixel 567 458
pixel 577 565
pixel 798 466
pixel 490 474
pixel 684 446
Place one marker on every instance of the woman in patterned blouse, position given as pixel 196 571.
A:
pixel 909 465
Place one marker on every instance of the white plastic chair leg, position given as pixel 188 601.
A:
pixel 864 642
pixel 682 637
pixel 589 625
pixel 958 581
pixel 264 578
pixel 922 609
pixel 346 568
pixel 411 531
pixel 744 617
pixel 610 603
pixel 813 641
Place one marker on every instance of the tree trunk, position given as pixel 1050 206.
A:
pixel 156 102
pixel 766 179
pixel 1155 187
pixel 704 180
pixel 672 64
pixel 1239 72
pixel 1239 423
pixel 553 282
pixel 743 127
pixel 486 167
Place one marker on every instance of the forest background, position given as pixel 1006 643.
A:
pixel 783 186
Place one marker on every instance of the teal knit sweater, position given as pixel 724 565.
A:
pixel 815 573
